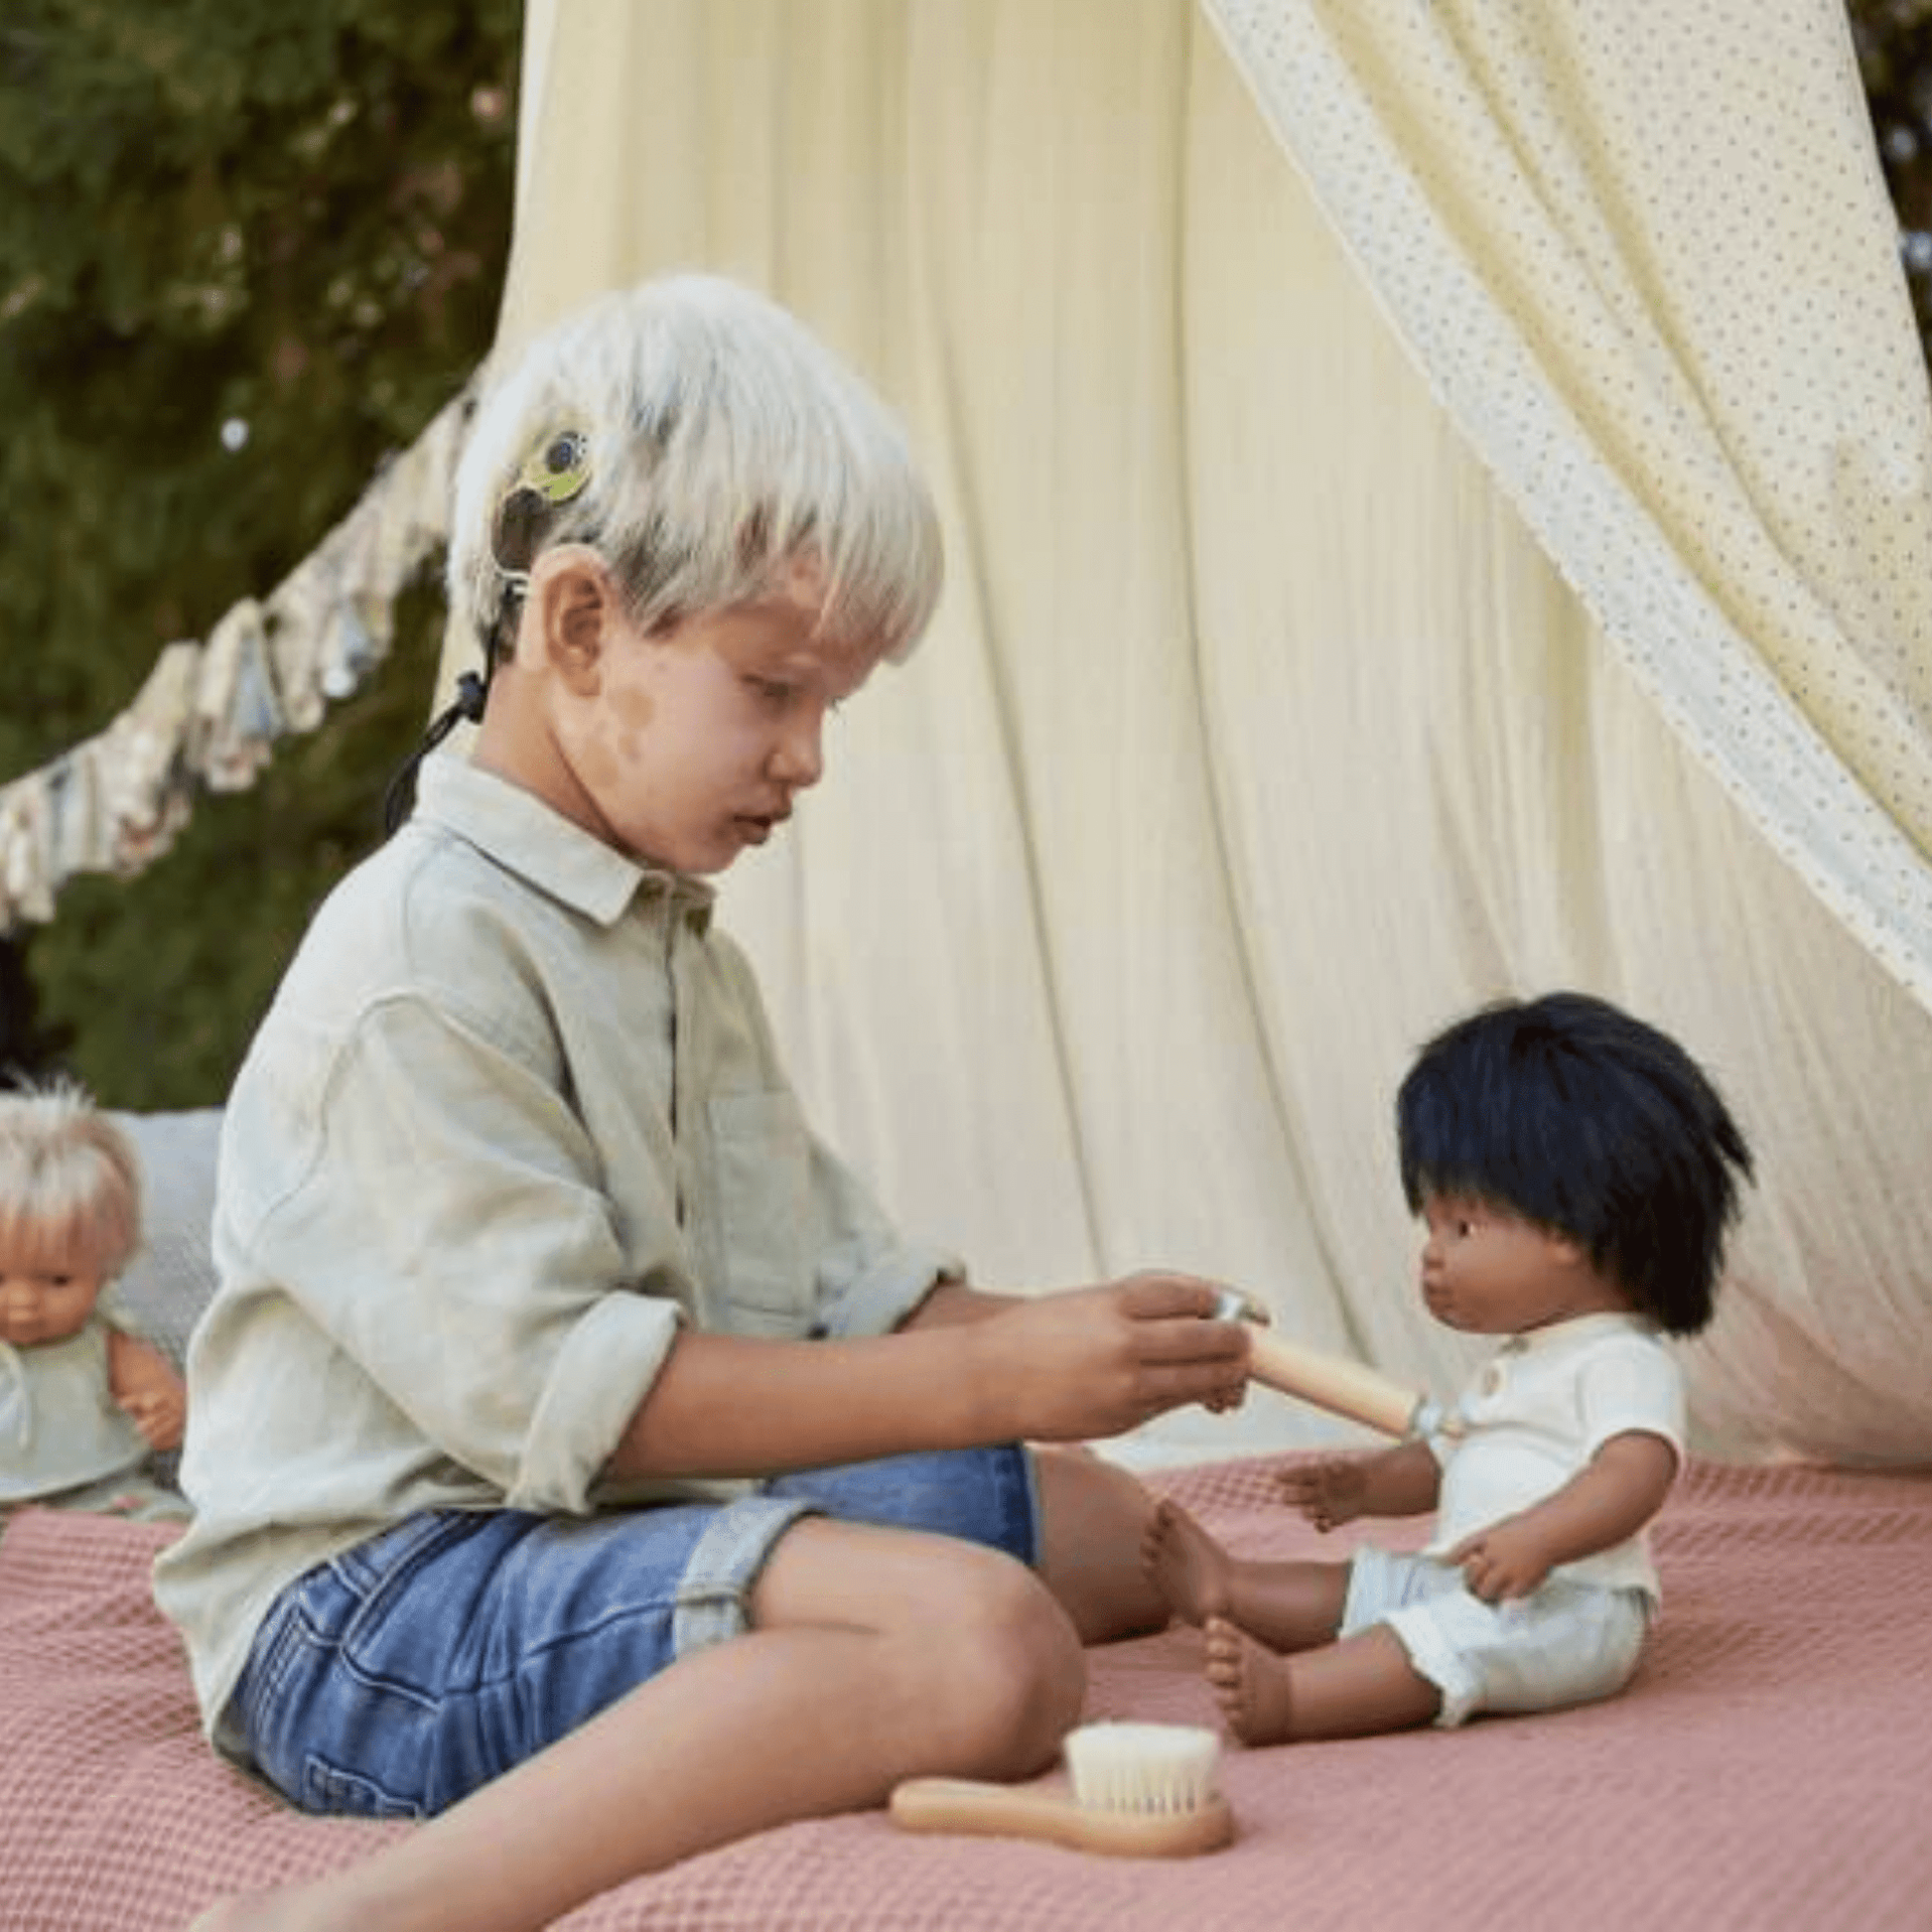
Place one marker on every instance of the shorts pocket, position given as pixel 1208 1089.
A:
pixel 764 1164
pixel 348 1794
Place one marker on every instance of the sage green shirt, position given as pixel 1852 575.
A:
pixel 60 1426
pixel 514 1116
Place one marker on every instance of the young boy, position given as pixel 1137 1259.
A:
pixel 1577 1174
pixel 577 1452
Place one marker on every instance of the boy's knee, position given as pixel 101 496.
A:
pixel 1012 1670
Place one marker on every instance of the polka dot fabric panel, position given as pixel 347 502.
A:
pixel 1646 260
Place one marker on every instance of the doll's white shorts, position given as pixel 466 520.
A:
pixel 1567 1642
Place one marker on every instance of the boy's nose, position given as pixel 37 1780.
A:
pixel 800 756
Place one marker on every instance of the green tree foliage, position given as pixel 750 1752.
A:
pixel 246 249
pixel 1893 39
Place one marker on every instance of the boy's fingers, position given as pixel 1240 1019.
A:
pixel 1193 1339
pixel 1173 1383
pixel 1149 1297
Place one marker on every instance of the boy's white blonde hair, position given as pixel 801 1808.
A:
pixel 70 1184
pixel 722 445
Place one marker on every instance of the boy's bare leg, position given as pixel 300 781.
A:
pixel 1357 1688
pixel 1093 1517
pixel 1288 1605
pixel 873 1655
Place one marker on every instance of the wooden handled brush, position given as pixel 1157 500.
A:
pixel 1135 1790
pixel 1331 1382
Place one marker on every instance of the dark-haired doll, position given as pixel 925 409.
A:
pixel 1576 1172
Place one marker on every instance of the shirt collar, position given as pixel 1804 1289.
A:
pixel 1578 1329
pixel 523 835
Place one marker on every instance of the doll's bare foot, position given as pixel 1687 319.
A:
pixel 1186 1566
pixel 1250 1684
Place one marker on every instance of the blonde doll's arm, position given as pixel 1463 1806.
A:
pixel 145 1385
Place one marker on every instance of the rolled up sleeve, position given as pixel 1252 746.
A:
pixel 449 1234
pixel 588 1399
pixel 870 1279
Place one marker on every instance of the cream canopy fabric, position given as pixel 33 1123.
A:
pixel 1261 731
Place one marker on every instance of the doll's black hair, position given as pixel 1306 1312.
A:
pixel 1571 1113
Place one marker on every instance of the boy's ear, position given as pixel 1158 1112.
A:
pixel 574 604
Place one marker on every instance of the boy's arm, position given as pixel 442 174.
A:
pixel 1612 1497
pixel 143 1382
pixel 953 1302
pixel 1087 1362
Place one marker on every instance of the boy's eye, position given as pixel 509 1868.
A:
pixel 773 690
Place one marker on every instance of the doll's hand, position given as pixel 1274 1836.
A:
pixel 1095 1361
pixel 1330 1492
pixel 144 1383
pixel 160 1414
pixel 1506 1560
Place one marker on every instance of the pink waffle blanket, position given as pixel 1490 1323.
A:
pixel 1770 1769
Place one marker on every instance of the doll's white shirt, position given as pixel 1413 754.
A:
pixel 1537 1412
pixel 60 1426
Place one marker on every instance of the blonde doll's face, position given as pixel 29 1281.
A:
pixel 37 1306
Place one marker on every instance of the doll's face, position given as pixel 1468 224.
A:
pixel 37 1307
pixel 1488 1271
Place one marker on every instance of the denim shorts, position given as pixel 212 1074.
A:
pixel 396 1678
pixel 1567 1642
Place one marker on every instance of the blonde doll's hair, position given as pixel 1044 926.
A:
pixel 70 1184
pixel 704 444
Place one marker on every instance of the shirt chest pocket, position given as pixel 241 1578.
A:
pixel 765 1211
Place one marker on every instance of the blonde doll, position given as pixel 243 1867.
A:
pixel 82 1402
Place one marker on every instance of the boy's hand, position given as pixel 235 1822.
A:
pixel 1330 1492
pixel 1097 1361
pixel 1508 1559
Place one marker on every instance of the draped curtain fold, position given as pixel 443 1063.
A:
pixel 1436 564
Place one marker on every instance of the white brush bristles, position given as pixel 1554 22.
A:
pixel 1155 1770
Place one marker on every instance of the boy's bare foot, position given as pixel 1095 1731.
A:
pixel 287 1909
pixel 1250 1684
pixel 1186 1566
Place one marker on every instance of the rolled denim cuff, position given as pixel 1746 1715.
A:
pixel 713 1596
